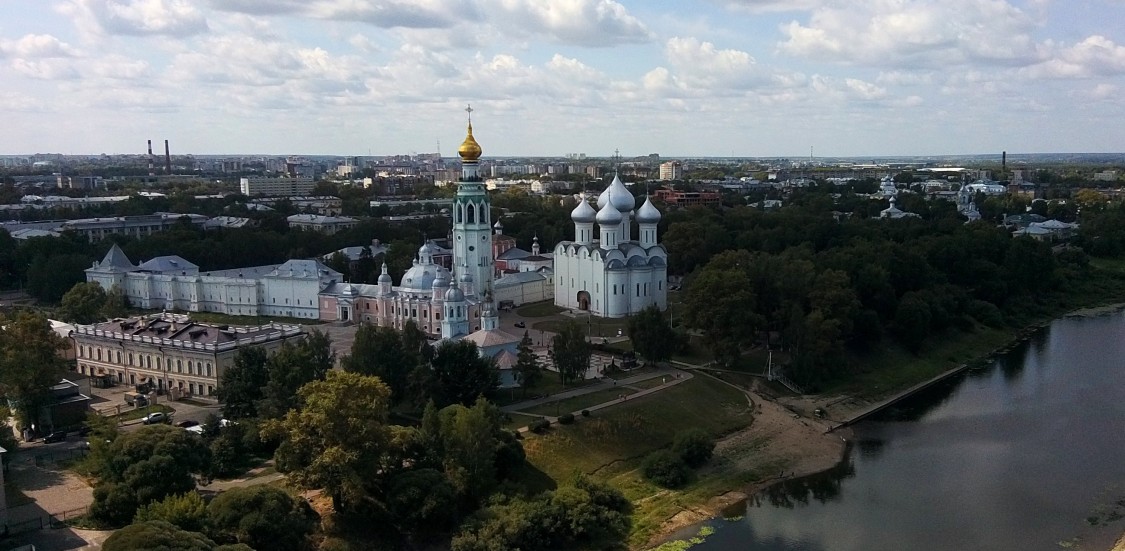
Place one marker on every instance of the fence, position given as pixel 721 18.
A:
pixel 55 520
pixel 55 457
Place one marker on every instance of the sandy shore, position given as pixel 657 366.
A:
pixel 799 445
pixel 1120 546
pixel 1097 310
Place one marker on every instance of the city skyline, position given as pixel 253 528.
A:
pixel 738 78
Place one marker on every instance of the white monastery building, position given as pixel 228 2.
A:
pixel 613 275
pixel 172 283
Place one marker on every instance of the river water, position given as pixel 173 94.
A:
pixel 1026 452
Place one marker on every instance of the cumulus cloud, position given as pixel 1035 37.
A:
pixel 136 17
pixel 119 67
pixel 420 14
pixel 36 46
pixel 771 5
pixel 1094 56
pixel 45 69
pixel 913 33
pixel 582 22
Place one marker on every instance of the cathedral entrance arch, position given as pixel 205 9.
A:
pixel 583 300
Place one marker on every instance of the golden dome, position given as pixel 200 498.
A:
pixel 470 149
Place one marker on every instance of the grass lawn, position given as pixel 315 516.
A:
pixel 610 444
pixel 539 309
pixel 546 386
pixel 141 412
pixel 648 383
pixel 578 403
pixel 518 420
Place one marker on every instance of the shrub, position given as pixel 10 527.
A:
pixel 262 517
pixel 186 511
pixel 585 413
pixel 694 446
pixel 156 534
pixel 539 426
pixel 666 468
pixel 566 419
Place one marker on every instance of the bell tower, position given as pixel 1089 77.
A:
pixel 472 218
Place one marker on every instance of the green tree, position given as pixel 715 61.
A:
pixel 116 304
pixel 29 364
pixel 666 468
pixel 570 352
pixel 243 383
pixel 186 511
pixel 144 466
pixel 694 446
pixel 379 352
pixel 912 321
pixel 262 517
pixel 423 502
pixel 156 535
pixel 469 445
pixel 50 277
pixel 83 303
pixel 720 301
pixel 652 335
pixel 338 440
pixel 527 364
pixel 459 375
pixel 290 368
pixel 585 515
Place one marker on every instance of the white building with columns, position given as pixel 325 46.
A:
pixel 612 274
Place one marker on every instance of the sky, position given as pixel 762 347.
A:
pixel 753 78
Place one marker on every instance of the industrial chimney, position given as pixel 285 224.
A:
pixel 167 159
pixel 151 171
pixel 1004 161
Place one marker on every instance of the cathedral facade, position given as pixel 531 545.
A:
pixel 613 273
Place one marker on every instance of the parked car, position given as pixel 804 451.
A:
pixel 197 429
pixel 521 324
pixel 154 418
pixel 57 436
pixel 187 424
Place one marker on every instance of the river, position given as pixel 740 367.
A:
pixel 1026 452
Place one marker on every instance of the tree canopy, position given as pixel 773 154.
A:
pixel 338 439
pixel 570 352
pixel 29 364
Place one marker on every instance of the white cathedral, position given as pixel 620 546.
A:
pixel 614 275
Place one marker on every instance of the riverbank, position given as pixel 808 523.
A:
pixel 778 445
pixel 1120 544
pixel 786 433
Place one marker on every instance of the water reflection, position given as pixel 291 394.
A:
pixel 1012 455
pixel 821 487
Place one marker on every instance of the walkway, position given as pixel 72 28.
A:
pixel 674 377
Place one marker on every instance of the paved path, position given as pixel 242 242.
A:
pixel 252 478
pixel 674 377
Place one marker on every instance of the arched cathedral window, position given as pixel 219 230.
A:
pixel 470 214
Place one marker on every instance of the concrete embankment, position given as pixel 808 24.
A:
pixel 1023 335
pixel 884 404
